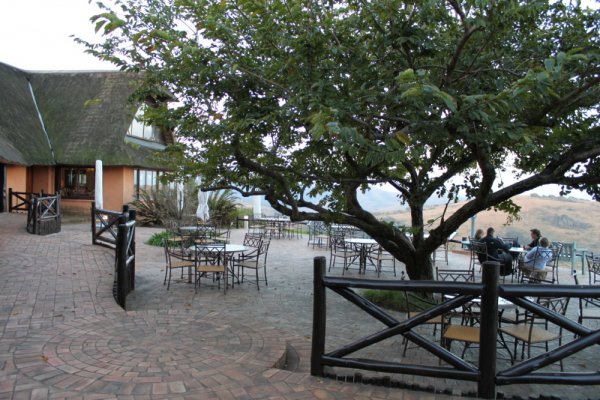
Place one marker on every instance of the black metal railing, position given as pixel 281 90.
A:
pixel 486 373
pixel 43 215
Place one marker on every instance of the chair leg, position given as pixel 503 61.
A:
pixel 257 285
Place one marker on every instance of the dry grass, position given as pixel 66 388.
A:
pixel 559 219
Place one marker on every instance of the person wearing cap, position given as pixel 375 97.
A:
pixel 535 239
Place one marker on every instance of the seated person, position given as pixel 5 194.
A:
pixel 497 250
pixel 478 236
pixel 536 259
pixel 535 239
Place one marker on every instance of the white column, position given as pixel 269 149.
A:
pixel 256 203
pixel 98 186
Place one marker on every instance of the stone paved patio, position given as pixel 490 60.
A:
pixel 63 336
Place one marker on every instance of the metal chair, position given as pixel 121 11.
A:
pixel 254 259
pixel 534 330
pixel 211 261
pixel 340 250
pixel 589 307
pixel 176 257
pixel 593 262
pixel 378 256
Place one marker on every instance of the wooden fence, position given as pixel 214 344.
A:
pixel 486 373
pixel 20 201
pixel 124 262
pixel 43 215
pixel 117 230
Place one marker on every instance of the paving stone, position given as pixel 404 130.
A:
pixel 63 336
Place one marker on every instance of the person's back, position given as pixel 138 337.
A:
pixel 497 250
pixel 538 257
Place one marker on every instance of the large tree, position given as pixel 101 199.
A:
pixel 309 102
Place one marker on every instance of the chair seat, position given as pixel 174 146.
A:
pixel 181 264
pixel 210 268
pixel 248 264
pixel 521 332
pixel 463 333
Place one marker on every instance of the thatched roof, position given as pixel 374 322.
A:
pixel 85 115
pixel 22 139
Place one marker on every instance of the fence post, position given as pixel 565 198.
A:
pixel 132 216
pixel 121 260
pixel 93 209
pixel 486 387
pixel 319 317
pixel 9 200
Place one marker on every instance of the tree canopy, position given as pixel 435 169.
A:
pixel 309 102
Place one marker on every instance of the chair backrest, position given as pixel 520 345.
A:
pixel 174 247
pixel 211 254
pixel 593 262
pixel 264 250
pixel 454 275
pixel 510 241
pixel 338 243
pixel 478 251
pixel 253 240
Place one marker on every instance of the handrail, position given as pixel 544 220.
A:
pixel 485 374
pixel 105 225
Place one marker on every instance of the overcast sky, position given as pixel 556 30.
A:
pixel 35 35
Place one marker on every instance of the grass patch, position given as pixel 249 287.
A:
pixel 157 239
pixel 396 300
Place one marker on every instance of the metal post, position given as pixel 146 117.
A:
pixel 319 317
pixel 9 200
pixel 486 387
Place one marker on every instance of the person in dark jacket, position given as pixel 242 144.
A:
pixel 497 250
pixel 535 239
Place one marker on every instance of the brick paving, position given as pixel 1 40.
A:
pixel 64 337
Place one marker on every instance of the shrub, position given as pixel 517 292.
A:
pixel 222 207
pixel 157 239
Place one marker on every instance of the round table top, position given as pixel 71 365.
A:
pixel 360 241
pixel 517 250
pixel 229 248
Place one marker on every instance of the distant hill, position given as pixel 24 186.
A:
pixel 558 218
pixel 562 219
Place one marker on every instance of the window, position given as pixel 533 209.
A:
pixel 145 179
pixel 77 182
pixel 139 129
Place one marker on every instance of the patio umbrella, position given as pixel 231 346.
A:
pixel 202 212
pixel 180 197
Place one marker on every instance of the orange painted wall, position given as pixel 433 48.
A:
pixel 42 178
pixel 117 187
pixel 16 178
pixel 112 188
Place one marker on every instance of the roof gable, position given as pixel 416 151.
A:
pixel 22 138
pixel 85 114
